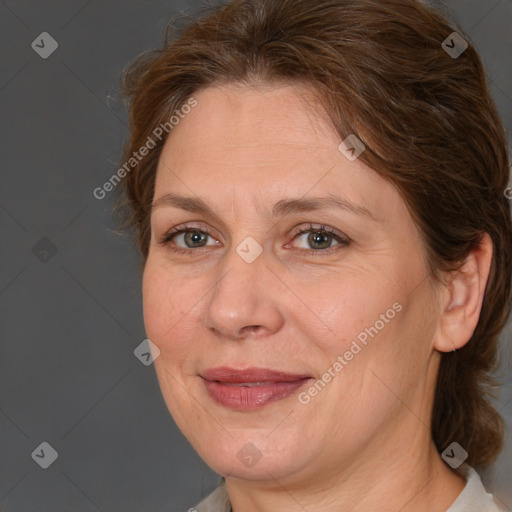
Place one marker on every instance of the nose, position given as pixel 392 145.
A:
pixel 246 299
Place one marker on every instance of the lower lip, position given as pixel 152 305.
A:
pixel 254 397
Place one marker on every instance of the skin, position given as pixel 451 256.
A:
pixel 363 443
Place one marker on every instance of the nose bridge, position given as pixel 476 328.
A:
pixel 242 266
pixel 239 297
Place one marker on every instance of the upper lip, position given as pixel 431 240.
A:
pixel 226 374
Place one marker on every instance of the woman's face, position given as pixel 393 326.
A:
pixel 254 283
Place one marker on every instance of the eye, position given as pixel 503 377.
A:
pixel 319 238
pixel 187 238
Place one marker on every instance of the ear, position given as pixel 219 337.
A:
pixel 462 298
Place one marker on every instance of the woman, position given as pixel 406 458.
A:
pixel 326 242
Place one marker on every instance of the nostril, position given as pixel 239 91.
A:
pixel 252 329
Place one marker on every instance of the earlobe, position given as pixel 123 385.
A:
pixel 462 298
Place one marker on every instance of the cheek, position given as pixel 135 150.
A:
pixel 378 328
pixel 165 305
pixel 353 309
pixel 156 305
pixel 173 303
pixel 393 364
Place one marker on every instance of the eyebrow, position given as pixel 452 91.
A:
pixel 280 209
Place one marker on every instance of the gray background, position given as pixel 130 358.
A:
pixel 71 319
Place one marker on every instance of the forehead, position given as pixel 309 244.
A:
pixel 255 121
pixel 259 144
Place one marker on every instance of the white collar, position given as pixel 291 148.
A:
pixel 474 497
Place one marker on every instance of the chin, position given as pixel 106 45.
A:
pixel 252 457
pixel 262 471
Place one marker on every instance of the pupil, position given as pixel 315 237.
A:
pixel 318 237
pixel 195 237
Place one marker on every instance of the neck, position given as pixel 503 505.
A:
pixel 408 475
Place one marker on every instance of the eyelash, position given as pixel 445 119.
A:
pixel 342 241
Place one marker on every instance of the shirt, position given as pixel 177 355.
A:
pixel 473 498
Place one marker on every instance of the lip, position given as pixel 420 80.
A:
pixel 227 374
pixel 230 387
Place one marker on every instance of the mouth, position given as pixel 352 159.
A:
pixel 250 388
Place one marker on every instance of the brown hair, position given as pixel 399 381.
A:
pixel 426 118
